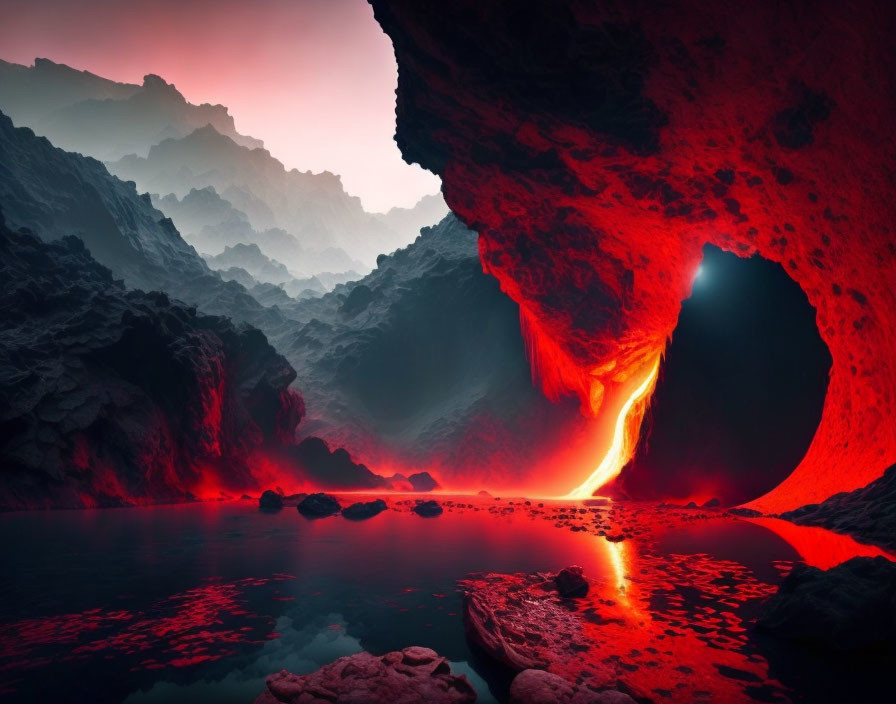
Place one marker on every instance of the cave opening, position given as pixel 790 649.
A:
pixel 741 388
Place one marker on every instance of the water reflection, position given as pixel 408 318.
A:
pixel 201 602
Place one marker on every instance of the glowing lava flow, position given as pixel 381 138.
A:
pixel 625 435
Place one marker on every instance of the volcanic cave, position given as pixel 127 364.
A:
pixel 531 352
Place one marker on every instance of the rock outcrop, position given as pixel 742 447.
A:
pixel 318 506
pixel 428 509
pixel 113 397
pixel 421 364
pixel 848 608
pixel 868 514
pixel 597 147
pixel 363 510
pixel 410 676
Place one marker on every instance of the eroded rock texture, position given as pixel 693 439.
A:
pixel 411 675
pixel 596 147
pixel 114 397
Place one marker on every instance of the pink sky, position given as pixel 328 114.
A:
pixel 315 79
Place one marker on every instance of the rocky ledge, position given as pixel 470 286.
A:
pixel 408 676
pixel 850 608
pixel 868 514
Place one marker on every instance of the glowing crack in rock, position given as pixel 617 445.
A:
pixel 625 436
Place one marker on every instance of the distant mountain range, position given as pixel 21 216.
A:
pixel 238 192
pixel 313 208
pixel 81 112
pixel 418 365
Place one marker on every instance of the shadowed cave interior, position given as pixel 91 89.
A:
pixel 741 389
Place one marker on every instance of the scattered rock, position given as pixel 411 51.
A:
pixel 570 582
pixel 408 676
pixel 428 509
pixel 270 502
pixel 364 509
pixel 850 607
pixel 712 503
pixel 691 504
pixel 423 481
pixel 318 506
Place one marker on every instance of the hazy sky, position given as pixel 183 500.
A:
pixel 315 79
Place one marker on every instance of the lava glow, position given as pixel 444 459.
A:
pixel 625 437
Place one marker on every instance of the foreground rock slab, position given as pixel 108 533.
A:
pixel 851 607
pixel 541 687
pixel 408 676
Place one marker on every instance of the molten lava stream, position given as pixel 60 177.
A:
pixel 624 440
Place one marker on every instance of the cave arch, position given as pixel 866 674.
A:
pixel 597 147
pixel 741 389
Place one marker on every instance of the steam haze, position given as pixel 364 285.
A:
pixel 314 79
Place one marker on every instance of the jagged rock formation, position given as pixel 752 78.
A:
pixel 596 147
pixel 410 676
pixel 312 207
pixel 250 258
pixel 84 113
pixel 421 364
pixel 427 211
pixel 55 193
pixel 868 514
pixel 113 397
pixel 211 224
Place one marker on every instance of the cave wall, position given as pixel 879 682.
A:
pixel 596 147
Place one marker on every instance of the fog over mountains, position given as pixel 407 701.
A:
pixel 221 188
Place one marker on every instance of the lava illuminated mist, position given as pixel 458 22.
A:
pixel 597 147
pixel 624 440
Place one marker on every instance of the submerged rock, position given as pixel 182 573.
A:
pixel 850 607
pixel 570 582
pixel 408 676
pixel 428 509
pixel 270 502
pixel 364 509
pixel 542 687
pixel 318 505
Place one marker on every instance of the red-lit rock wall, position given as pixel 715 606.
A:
pixel 597 146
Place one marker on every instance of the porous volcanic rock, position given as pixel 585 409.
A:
pixel 520 620
pixel 428 509
pixel 597 147
pixel 364 509
pixel 318 505
pixel 542 687
pixel 850 607
pixel 407 676
pixel 868 514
